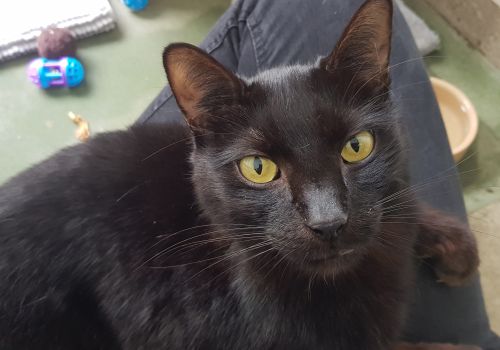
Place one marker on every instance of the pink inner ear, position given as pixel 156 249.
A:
pixel 180 64
pixel 188 102
pixel 186 94
pixel 194 76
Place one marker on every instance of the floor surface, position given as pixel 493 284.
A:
pixel 124 73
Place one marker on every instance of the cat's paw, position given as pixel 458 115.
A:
pixel 455 255
pixel 448 244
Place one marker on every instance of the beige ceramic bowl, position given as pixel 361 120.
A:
pixel 459 116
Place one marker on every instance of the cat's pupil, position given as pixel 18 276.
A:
pixel 257 165
pixel 355 144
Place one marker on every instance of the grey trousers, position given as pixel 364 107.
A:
pixel 254 35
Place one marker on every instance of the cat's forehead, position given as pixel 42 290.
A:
pixel 296 93
pixel 292 103
pixel 302 108
pixel 282 77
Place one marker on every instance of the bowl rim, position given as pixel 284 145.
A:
pixel 471 113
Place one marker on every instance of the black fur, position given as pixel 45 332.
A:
pixel 78 232
pixel 151 239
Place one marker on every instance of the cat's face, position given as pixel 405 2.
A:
pixel 303 154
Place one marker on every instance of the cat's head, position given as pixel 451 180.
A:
pixel 302 154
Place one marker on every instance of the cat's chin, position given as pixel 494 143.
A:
pixel 335 262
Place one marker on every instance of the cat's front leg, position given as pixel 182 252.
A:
pixel 448 244
pixel 428 346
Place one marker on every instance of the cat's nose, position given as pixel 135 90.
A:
pixel 329 229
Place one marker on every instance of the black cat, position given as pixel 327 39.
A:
pixel 281 218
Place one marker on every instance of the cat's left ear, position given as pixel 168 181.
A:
pixel 360 60
pixel 199 82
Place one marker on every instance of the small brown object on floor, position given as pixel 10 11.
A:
pixel 54 43
pixel 433 346
pixel 82 133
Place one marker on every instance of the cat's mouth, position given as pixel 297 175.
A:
pixel 341 253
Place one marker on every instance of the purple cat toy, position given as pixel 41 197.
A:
pixel 66 71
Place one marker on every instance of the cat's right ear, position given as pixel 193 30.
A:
pixel 199 82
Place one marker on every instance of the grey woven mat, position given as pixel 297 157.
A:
pixel 22 21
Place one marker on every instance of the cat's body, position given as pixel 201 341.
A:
pixel 62 240
pixel 279 219
pixel 75 271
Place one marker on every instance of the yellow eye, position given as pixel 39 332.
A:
pixel 358 148
pixel 258 169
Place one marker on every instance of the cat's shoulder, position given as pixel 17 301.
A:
pixel 139 147
pixel 145 143
pixel 103 166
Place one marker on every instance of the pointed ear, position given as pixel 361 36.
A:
pixel 360 59
pixel 198 82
